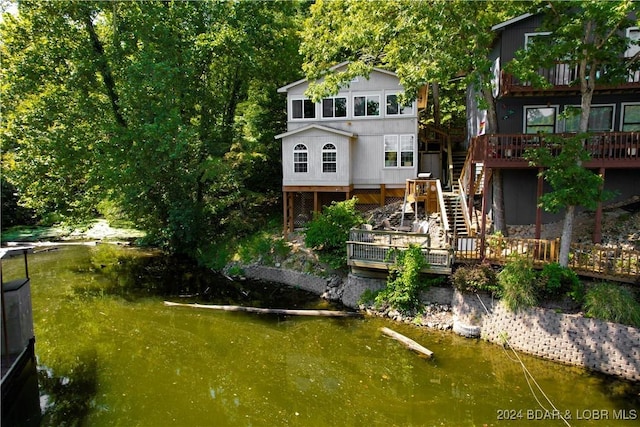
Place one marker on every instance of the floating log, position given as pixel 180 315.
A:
pixel 282 311
pixel 407 341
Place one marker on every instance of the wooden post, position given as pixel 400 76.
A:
pixel 316 208
pixel 483 230
pixel 285 212
pixel 383 195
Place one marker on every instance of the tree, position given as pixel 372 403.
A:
pixel 168 109
pixel 589 36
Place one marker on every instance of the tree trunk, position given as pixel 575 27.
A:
pixel 567 231
pixel 435 90
pixel 499 219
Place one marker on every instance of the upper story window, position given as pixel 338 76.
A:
pixel 633 34
pixel 300 158
pixel 329 158
pixel 399 151
pixel 600 118
pixel 395 108
pixel 303 109
pixel 366 105
pixel 630 117
pixel 531 37
pixel 540 119
pixel 334 107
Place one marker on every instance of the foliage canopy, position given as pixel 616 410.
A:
pixel 167 109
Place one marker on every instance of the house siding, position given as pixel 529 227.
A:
pixel 314 140
pixel 520 192
pixel 363 159
pixel 510 110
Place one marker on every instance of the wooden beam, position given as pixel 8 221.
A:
pixel 408 342
pixel 318 188
pixel 258 310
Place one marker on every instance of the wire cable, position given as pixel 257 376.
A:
pixel 527 374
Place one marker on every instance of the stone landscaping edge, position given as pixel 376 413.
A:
pixel 606 347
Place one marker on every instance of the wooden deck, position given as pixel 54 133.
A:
pixel 372 249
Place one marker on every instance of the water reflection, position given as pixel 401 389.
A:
pixel 114 355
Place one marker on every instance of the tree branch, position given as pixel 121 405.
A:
pixel 104 69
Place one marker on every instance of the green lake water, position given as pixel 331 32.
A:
pixel 111 354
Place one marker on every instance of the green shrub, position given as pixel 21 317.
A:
pixel 328 232
pixel 474 278
pixel 518 282
pixel 404 282
pixel 264 248
pixel 556 281
pixel 612 303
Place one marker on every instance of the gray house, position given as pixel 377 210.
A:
pixel 360 142
pixel 526 114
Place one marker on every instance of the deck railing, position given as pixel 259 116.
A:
pixel 607 146
pixel 563 76
pixel 375 249
pixel 586 259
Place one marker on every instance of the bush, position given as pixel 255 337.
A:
pixel 264 248
pixel 328 232
pixel 612 303
pixel 518 282
pixel 404 282
pixel 474 278
pixel 556 281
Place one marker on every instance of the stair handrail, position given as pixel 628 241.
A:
pixel 463 194
pixel 450 162
pixel 443 208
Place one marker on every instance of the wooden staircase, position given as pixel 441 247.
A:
pixel 455 216
pixel 457 162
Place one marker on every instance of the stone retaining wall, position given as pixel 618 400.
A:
pixel 293 278
pixel 602 346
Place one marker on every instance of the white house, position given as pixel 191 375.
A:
pixel 360 142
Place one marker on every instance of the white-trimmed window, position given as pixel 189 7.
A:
pixel 530 37
pixel 303 108
pixel 540 119
pixel 630 120
pixel 395 108
pixel 366 105
pixel 335 107
pixel 329 158
pixel 399 151
pixel 600 118
pixel 633 34
pixel 300 158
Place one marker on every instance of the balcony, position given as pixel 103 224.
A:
pixel 608 150
pixel 564 78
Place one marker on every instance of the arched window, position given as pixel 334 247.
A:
pixel 329 158
pixel 300 158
